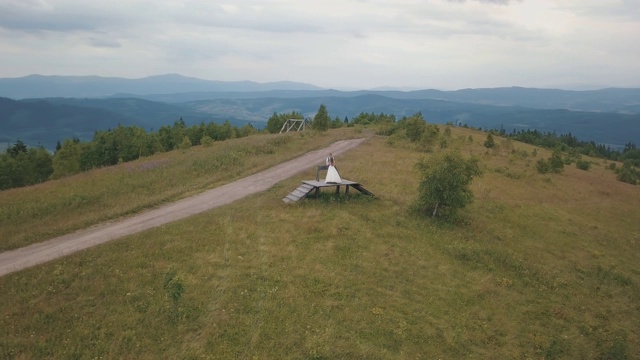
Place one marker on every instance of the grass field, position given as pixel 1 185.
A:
pixel 539 266
pixel 40 212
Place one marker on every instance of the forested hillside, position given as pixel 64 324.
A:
pixel 22 165
pixel 40 86
pixel 47 121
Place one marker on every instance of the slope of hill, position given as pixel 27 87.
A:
pixel 607 116
pixel 540 266
pixel 47 121
pixel 178 88
pixel 609 128
pixel 610 100
pixel 39 86
pixel 39 122
pixel 604 100
pixel 150 113
pixel 64 118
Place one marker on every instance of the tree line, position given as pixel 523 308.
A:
pixel 567 142
pixel 320 122
pixel 21 165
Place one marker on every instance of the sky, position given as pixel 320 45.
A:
pixel 340 44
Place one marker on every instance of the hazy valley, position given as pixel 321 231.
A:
pixel 42 110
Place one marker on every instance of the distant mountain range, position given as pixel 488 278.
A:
pixel 44 109
pixel 39 86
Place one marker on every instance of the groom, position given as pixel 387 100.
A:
pixel 329 160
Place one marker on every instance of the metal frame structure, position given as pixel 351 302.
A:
pixel 296 125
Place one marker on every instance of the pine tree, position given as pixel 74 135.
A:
pixel 321 121
pixel 489 142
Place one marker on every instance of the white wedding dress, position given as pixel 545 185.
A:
pixel 332 176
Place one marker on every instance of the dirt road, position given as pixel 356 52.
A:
pixel 15 260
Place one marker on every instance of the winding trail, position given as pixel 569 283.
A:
pixel 18 259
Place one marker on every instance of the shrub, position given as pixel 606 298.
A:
pixel 415 127
pixel 444 187
pixel 185 144
pixel 430 134
pixel 628 173
pixel 520 153
pixel 489 142
pixel 542 166
pixel 206 141
pixel 583 164
pixel 556 162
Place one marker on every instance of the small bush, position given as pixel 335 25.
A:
pixel 507 145
pixel 185 144
pixel 174 289
pixel 520 153
pixel 206 141
pixel 489 142
pixel 508 173
pixel 583 164
pixel 444 187
pixel 555 164
pixel 542 166
pixel 414 127
pixel 628 173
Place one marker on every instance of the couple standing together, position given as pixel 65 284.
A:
pixel 332 174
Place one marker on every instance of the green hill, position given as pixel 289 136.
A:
pixel 539 266
pixel 39 122
pixel 47 121
pixel 604 128
pixel 607 116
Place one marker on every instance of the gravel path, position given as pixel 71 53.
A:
pixel 18 259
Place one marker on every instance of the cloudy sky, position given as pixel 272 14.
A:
pixel 343 44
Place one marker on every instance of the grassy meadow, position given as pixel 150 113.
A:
pixel 539 266
pixel 43 211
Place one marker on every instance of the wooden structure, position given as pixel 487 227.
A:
pixel 314 186
pixel 295 125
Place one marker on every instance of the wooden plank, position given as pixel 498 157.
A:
pixel 299 193
pixel 309 186
pixel 321 183
pixel 363 190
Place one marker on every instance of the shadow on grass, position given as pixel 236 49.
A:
pixel 333 198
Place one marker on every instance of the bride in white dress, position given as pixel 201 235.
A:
pixel 332 174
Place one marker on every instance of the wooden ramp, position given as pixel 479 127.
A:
pixel 298 193
pixel 309 186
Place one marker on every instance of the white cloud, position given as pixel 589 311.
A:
pixel 333 43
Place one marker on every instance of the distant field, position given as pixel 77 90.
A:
pixel 539 266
